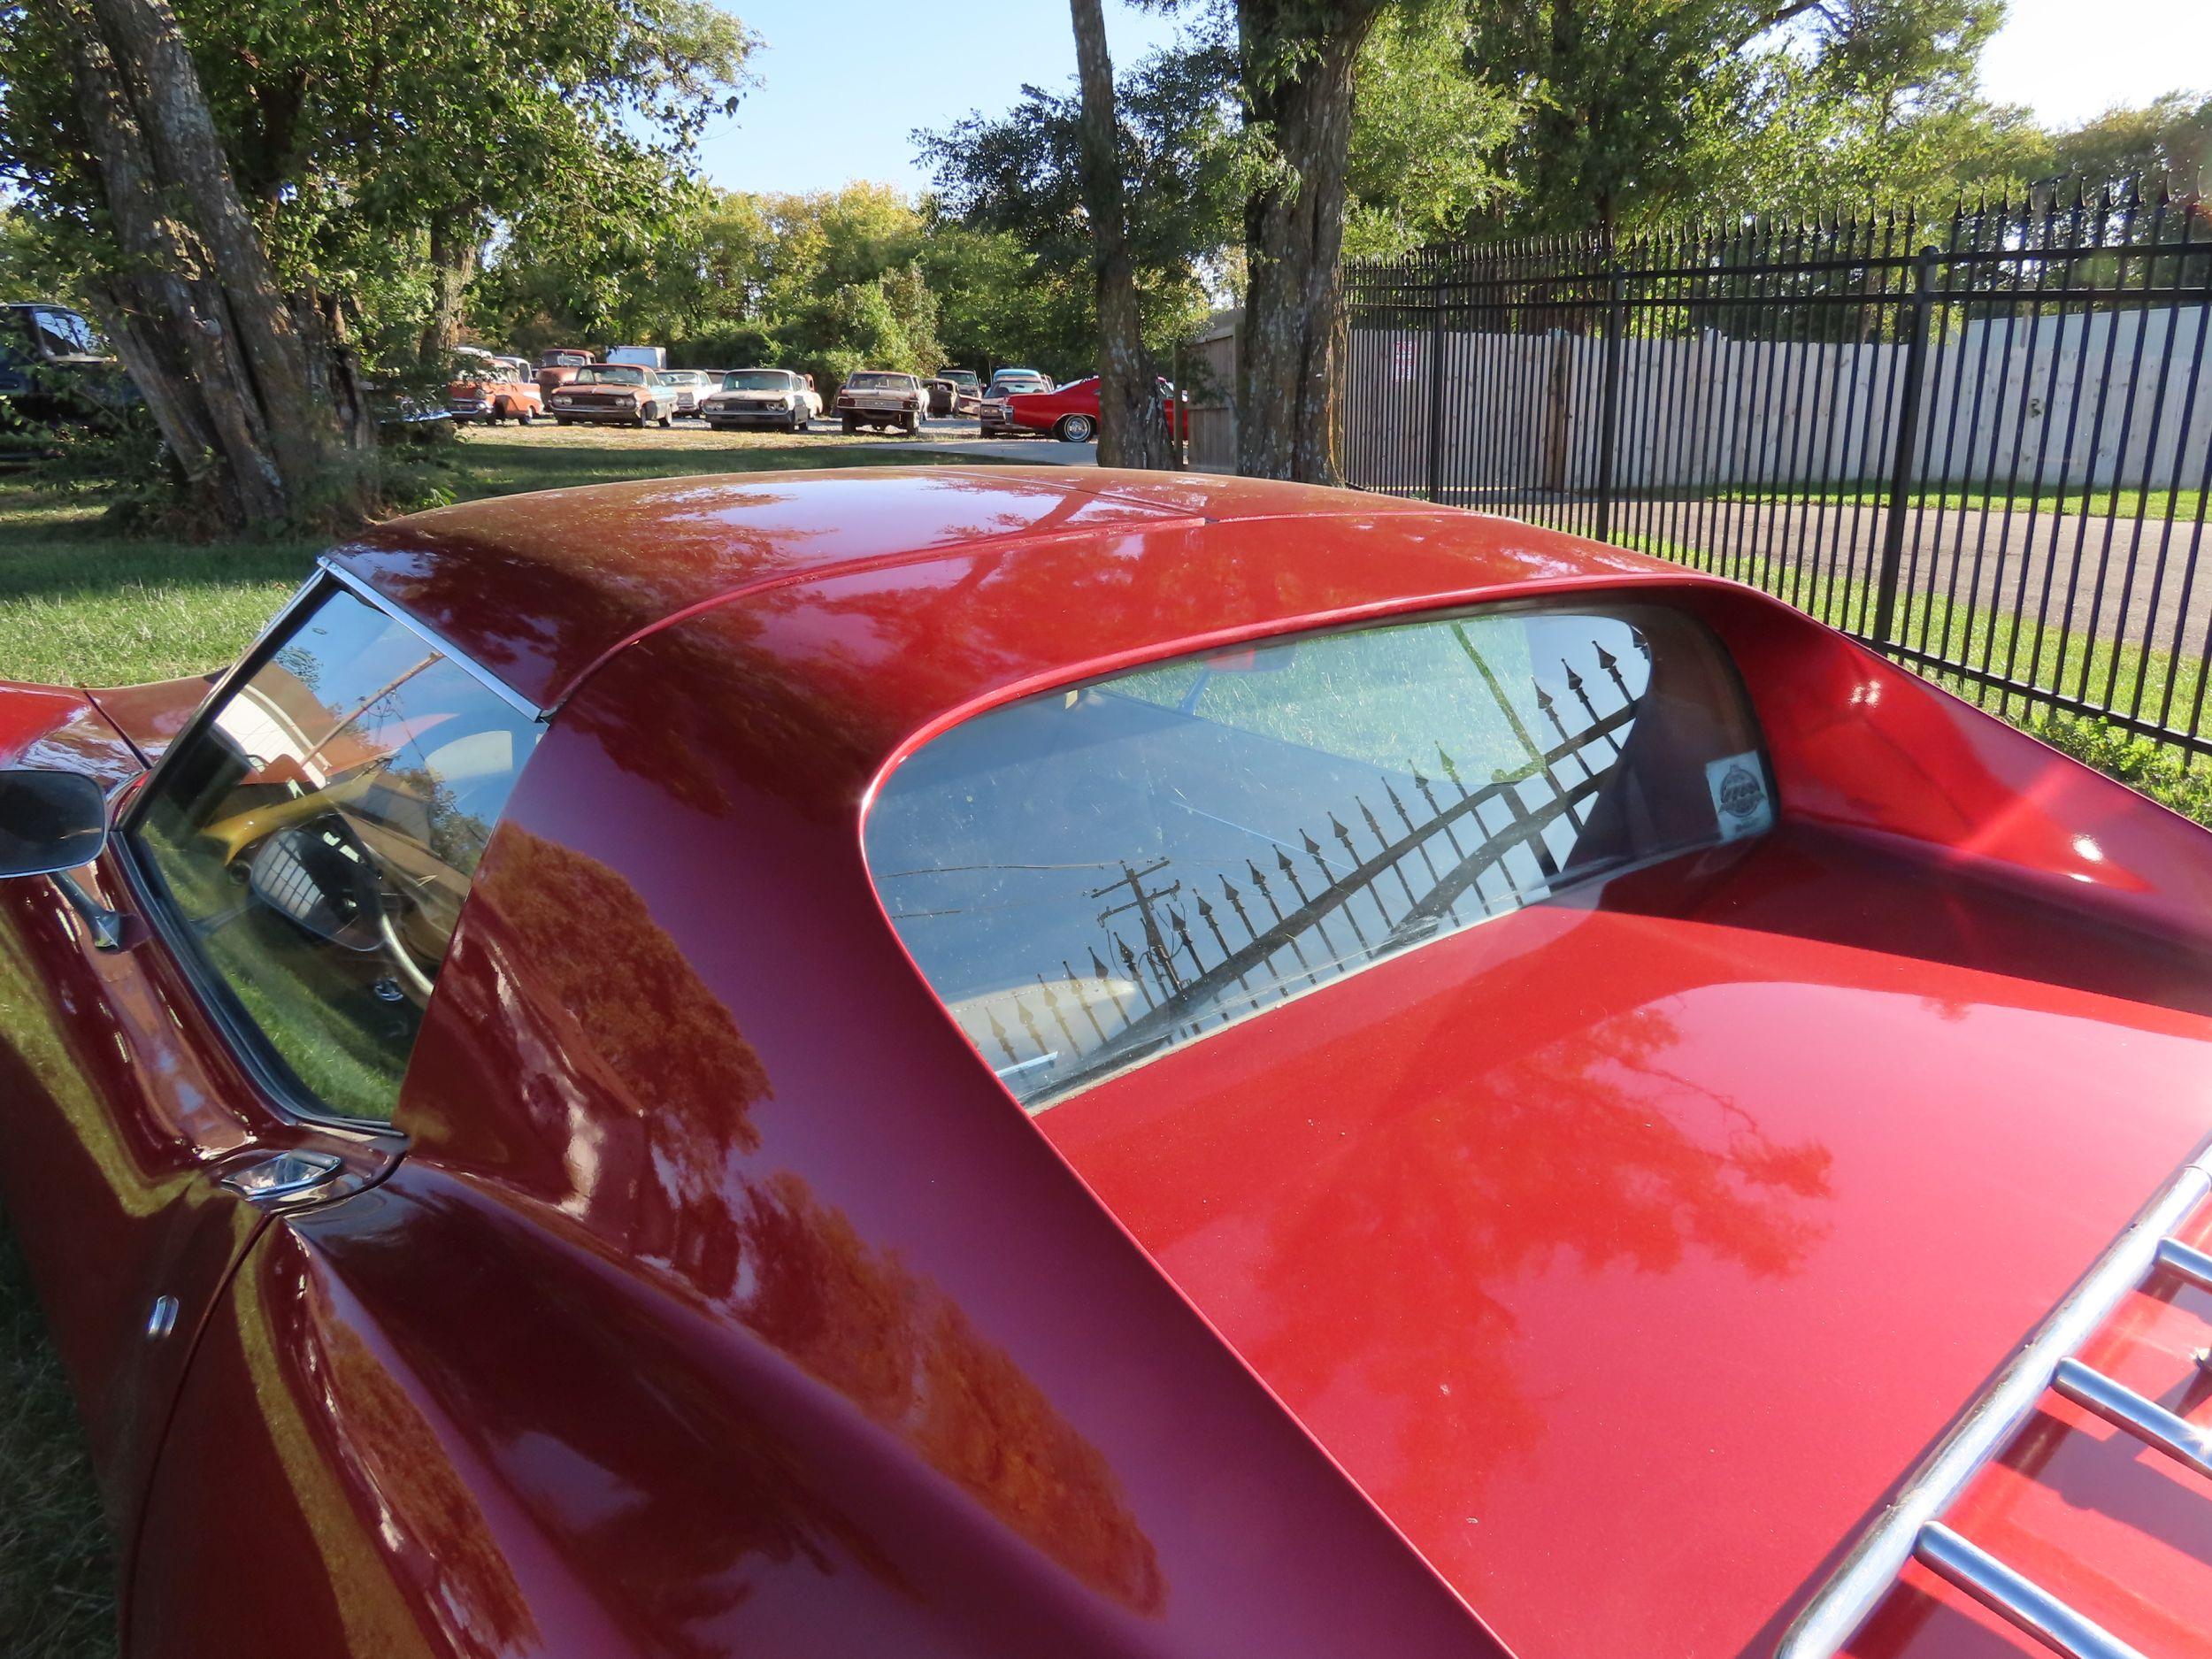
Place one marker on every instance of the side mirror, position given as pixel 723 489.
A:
pixel 49 822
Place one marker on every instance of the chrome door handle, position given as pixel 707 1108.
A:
pixel 289 1178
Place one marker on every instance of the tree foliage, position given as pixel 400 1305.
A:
pixel 372 148
pixel 825 283
pixel 2170 138
pixel 1015 180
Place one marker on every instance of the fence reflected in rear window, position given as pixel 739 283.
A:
pixel 1090 878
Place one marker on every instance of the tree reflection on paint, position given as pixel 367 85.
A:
pixel 650 1072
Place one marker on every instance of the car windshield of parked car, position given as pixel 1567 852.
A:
pixel 610 375
pixel 66 334
pixel 315 839
pixel 756 380
pixel 865 381
pixel 1091 878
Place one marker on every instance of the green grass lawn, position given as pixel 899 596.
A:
pixel 56 1561
pixel 2150 684
pixel 80 604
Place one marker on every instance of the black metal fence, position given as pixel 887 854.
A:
pixel 1982 444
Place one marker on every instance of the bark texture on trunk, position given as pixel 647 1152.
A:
pixel 256 403
pixel 1131 430
pixel 454 242
pixel 1298 58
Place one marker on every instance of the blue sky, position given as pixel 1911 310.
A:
pixel 843 82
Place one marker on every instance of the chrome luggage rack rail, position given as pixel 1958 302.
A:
pixel 1913 1528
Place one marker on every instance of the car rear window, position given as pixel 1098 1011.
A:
pixel 1091 878
pixel 879 382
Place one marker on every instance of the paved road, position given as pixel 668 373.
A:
pixel 1961 554
pixel 944 434
pixel 1968 557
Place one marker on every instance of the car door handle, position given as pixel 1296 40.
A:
pixel 292 1176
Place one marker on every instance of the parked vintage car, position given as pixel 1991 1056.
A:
pixel 881 397
pixel 764 397
pixel 690 387
pixel 493 388
pixel 558 366
pixel 955 391
pixel 56 369
pixel 1007 383
pixel 994 1063
pixel 619 393
pixel 1070 413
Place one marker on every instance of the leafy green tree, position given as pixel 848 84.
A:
pixel 305 186
pixel 997 306
pixel 2170 138
pixel 1014 182
pixel 1298 77
pixel 1424 128
pixel 1643 112
pixel 1130 431
pixel 823 283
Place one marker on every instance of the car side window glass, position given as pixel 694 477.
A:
pixel 314 841
pixel 1095 876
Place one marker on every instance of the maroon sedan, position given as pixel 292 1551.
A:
pixel 981 1061
pixel 1070 413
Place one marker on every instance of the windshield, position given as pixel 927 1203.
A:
pixel 756 380
pixel 603 374
pixel 66 334
pixel 1089 879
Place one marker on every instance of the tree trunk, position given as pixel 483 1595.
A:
pixel 1298 58
pixel 454 242
pixel 241 381
pixel 1131 431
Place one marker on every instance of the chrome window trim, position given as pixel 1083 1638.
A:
pixel 327 572
pixel 224 683
pixel 430 636
pixel 1869 1573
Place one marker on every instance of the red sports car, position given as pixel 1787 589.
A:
pixel 1070 412
pixel 990 1062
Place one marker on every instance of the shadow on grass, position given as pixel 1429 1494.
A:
pixel 57 1569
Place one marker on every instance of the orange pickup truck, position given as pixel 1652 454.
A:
pixel 492 389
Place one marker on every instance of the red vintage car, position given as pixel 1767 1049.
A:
pixel 991 1062
pixel 1070 413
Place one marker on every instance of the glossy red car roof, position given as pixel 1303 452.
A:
pixel 538 588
